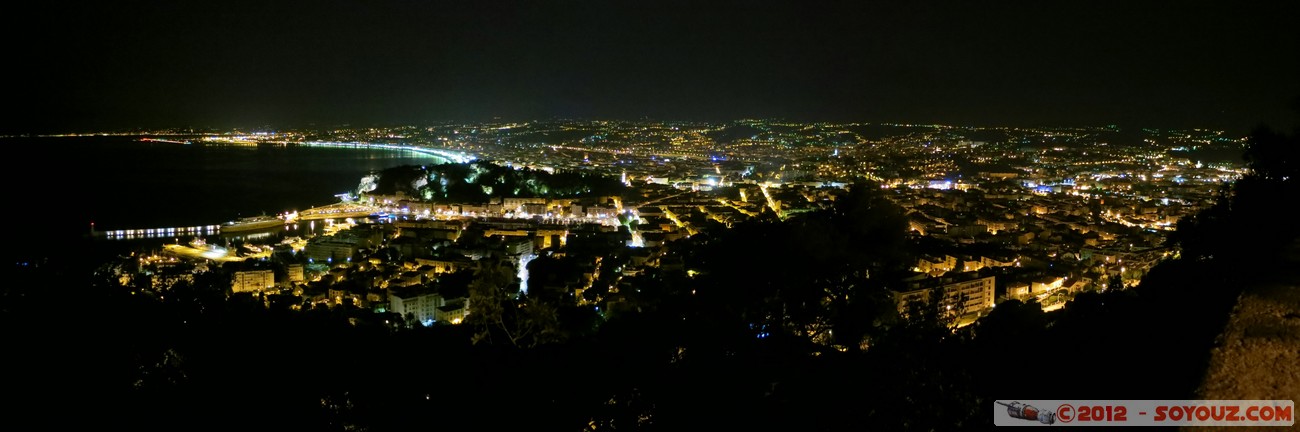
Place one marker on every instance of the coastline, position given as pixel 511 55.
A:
pixel 149 185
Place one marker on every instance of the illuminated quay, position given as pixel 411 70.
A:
pixel 148 233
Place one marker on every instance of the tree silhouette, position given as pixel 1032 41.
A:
pixel 500 314
pixel 1239 227
pixel 823 275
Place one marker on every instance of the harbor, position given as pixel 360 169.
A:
pixel 199 249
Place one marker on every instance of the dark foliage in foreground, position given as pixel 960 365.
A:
pixel 210 364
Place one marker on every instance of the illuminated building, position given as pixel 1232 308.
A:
pixel 252 281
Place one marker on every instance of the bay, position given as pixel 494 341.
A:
pixel 56 187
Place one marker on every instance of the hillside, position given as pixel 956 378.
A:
pixel 1258 355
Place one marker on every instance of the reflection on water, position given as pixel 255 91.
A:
pixel 253 237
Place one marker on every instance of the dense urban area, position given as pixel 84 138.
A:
pixel 603 275
pixel 995 213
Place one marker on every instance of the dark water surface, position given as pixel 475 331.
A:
pixel 57 186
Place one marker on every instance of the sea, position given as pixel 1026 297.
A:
pixel 58 188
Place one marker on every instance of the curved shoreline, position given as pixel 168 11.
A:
pixel 192 228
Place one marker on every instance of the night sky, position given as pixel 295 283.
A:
pixel 104 65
